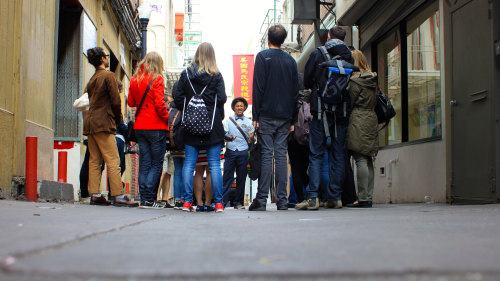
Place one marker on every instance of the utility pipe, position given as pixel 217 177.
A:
pixel 31 168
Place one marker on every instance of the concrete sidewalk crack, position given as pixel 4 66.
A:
pixel 13 257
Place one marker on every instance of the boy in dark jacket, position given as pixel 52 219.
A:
pixel 318 138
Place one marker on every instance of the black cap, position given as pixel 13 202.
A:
pixel 239 99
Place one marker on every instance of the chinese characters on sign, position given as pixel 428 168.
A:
pixel 243 76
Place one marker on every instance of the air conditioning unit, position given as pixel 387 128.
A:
pixel 303 11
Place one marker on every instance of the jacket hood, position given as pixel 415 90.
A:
pixel 365 79
pixel 199 78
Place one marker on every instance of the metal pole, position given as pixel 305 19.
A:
pixel 144 33
pixel 31 168
pixel 62 164
pixel 274 12
pixel 317 23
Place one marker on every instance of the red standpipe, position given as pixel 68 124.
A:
pixel 31 168
pixel 62 167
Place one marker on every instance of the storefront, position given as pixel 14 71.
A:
pixel 441 146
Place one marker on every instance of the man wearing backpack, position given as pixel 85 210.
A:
pixel 315 78
pixel 275 93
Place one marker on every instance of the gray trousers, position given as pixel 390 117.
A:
pixel 272 135
pixel 365 176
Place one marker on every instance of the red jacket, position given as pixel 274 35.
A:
pixel 153 114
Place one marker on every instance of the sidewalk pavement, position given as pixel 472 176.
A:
pixel 49 241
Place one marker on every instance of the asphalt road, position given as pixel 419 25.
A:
pixel 49 241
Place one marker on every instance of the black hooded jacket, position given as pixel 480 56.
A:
pixel 312 71
pixel 215 89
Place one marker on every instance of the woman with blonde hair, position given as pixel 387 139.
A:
pixel 362 133
pixel 203 77
pixel 151 124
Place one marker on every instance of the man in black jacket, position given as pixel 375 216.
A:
pixel 318 140
pixel 275 94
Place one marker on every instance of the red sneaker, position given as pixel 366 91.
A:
pixel 219 208
pixel 187 207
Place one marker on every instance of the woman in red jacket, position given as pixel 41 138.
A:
pixel 151 125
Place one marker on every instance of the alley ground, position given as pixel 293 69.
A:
pixel 49 241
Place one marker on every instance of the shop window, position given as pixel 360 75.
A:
pixel 389 78
pixel 409 73
pixel 424 83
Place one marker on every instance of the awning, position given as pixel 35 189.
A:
pixel 355 12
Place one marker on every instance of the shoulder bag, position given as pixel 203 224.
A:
pixel 131 132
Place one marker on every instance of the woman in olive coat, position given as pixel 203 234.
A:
pixel 362 133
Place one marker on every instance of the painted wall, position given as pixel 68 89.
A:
pixel 411 173
pixel 27 38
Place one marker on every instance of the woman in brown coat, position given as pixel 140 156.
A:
pixel 100 126
pixel 362 133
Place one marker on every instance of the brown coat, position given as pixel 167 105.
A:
pixel 105 104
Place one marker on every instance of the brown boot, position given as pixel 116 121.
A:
pixel 124 201
pixel 99 200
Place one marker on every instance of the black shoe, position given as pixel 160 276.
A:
pixel 256 206
pixel 291 205
pixel 166 204
pixel 178 205
pixel 282 207
pixel 360 204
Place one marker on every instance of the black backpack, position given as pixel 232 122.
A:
pixel 196 119
pixel 333 80
pixel 174 140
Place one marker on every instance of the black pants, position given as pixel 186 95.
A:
pixel 299 161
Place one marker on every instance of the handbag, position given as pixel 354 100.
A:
pixel 131 131
pixel 175 134
pixel 82 103
pixel 384 109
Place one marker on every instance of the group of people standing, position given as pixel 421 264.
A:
pixel 274 116
pixel 349 129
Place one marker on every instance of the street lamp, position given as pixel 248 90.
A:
pixel 144 14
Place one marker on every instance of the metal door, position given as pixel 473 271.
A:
pixel 473 135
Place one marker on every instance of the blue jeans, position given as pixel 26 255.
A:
pixel 178 182
pixel 273 134
pixel 152 147
pixel 235 160
pixel 292 198
pixel 325 177
pixel 336 157
pixel 213 159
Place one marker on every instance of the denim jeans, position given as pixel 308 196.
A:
pixel 213 159
pixel 336 157
pixel 178 182
pixel 273 135
pixel 152 147
pixel 325 177
pixel 235 160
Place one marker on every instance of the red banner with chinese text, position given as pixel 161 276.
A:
pixel 243 76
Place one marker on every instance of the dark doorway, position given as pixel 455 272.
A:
pixel 472 104
pixel 67 120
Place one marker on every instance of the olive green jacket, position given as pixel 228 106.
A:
pixel 362 133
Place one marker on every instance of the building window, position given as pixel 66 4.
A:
pixel 409 73
pixel 424 83
pixel 389 79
